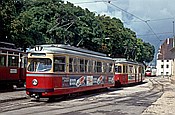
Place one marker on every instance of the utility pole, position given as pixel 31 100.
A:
pixel 173 29
pixel 172 72
pixel 163 62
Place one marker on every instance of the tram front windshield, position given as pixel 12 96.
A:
pixel 40 65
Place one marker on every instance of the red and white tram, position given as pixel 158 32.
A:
pixel 127 72
pixel 12 65
pixel 61 69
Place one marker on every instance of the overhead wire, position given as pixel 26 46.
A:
pixel 152 29
pixel 161 19
pixel 87 2
pixel 93 1
pixel 156 33
pixel 142 20
pixel 145 21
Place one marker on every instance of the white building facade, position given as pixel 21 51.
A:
pixel 164 67
pixel 165 58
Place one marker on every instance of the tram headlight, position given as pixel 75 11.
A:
pixel 35 82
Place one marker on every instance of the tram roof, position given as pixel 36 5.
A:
pixel 10 49
pixel 7 45
pixel 60 48
pixel 124 60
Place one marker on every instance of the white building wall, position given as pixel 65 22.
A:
pixel 167 67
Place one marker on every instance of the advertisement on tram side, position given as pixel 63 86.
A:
pixel 75 81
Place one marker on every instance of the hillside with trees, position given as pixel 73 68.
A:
pixel 30 22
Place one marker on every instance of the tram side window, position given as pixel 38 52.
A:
pixel 118 69
pixel 131 69
pixel 71 60
pixel 136 70
pixel 110 67
pixel 2 60
pixel 104 67
pixel 76 65
pixel 86 65
pixel 140 69
pixel 82 65
pixel 13 61
pixel 94 66
pixel 107 67
pixel 99 67
pixel 124 69
pixel 59 64
pixel 90 67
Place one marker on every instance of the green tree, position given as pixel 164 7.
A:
pixel 32 22
pixel 9 9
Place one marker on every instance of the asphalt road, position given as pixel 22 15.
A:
pixel 132 100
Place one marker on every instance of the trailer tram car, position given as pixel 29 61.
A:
pixel 58 69
pixel 12 66
pixel 128 72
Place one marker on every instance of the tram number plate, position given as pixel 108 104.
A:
pixel 13 70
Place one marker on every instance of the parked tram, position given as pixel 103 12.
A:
pixel 12 66
pixel 127 72
pixel 58 69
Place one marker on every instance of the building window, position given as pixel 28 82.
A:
pixel 161 66
pixel 167 66
pixel 162 60
pixel 161 73
pixel 167 73
pixel 167 60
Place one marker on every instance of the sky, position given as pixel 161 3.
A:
pixel 152 20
